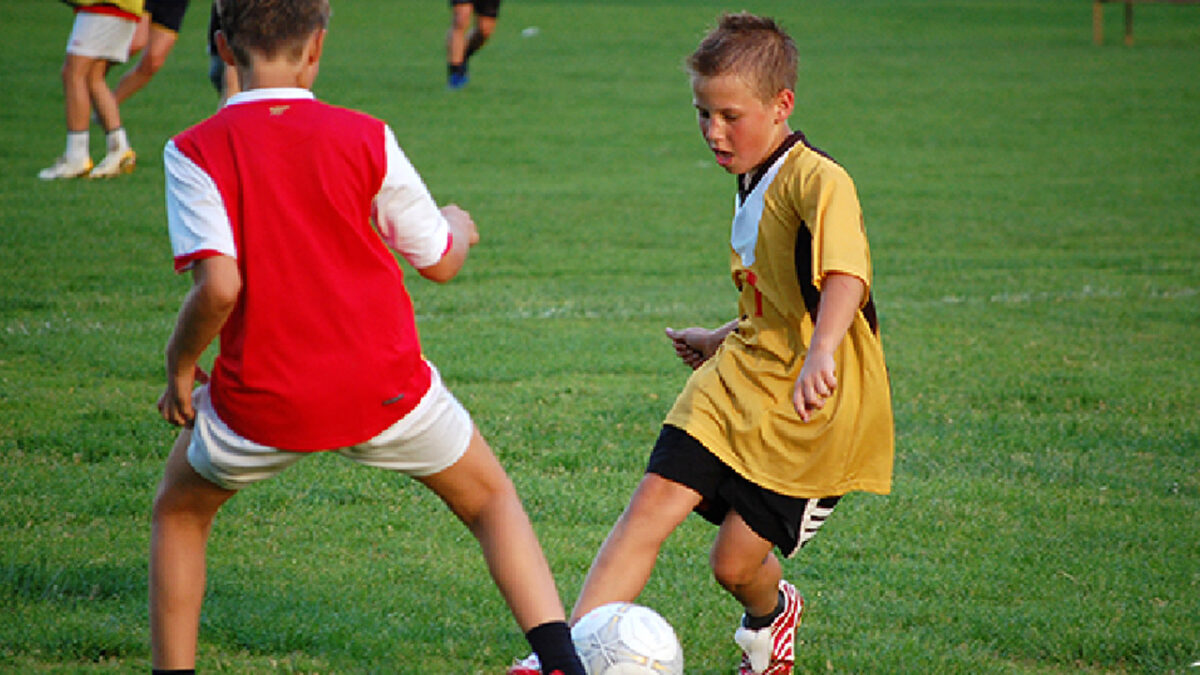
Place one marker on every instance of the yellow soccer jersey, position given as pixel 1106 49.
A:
pixel 135 7
pixel 801 222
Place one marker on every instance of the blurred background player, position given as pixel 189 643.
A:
pixel 101 35
pixel 222 75
pixel 461 44
pixel 155 37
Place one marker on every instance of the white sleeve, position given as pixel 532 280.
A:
pixel 405 214
pixel 196 219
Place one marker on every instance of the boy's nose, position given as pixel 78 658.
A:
pixel 713 132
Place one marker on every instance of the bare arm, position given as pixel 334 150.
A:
pixel 463 236
pixel 696 345
pixel 841 297
pixel 216 284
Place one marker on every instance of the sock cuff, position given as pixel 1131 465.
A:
pixel 760 622
pixel 552 643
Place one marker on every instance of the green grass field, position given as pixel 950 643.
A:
pixel 1034 211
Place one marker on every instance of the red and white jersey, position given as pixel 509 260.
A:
pixel 321 350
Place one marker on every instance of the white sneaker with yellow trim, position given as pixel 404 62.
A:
pixel 115 163
pixel 65 169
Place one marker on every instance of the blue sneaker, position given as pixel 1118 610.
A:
pixel 457 80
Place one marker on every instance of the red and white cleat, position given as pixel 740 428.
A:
pixel 772 650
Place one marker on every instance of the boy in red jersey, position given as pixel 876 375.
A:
pixel 789 406
pixel 284 210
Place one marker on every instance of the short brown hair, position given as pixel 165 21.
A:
pixel 270 27
pixel 753 47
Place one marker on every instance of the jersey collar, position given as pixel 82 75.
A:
pixel 748 181
pixel 271 94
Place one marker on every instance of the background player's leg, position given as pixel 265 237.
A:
pixel 456 44
pixel 158 47
pixel 484 27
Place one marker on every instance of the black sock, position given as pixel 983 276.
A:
pixel 552 643
pixel 180 671
pixel 757 622
pixel 473 45
pixel 456 68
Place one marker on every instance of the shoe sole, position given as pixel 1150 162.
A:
pixel 126 165
pixel 82 173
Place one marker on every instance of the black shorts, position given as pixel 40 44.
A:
pixel 167 13
pixel 488 8
pixel 787 522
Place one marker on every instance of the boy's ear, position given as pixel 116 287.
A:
pixel 785 103
pixel 223 49
pixel 316 46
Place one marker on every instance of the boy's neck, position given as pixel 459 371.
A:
pixel 283 70
pixel 273 74
pixel 747 180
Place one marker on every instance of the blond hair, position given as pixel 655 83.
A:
pixel 752 47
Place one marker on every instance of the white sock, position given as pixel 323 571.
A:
pixel 77 146
pixel 117 140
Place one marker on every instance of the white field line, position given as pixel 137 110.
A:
pixel 1084 294
pixel 608 310
pixel 605 309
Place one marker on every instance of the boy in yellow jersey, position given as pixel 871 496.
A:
pixel 789 407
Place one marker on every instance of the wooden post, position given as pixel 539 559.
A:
pixel 1098 22
pixel 1129 24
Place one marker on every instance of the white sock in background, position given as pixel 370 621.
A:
pixel 77 146
pixel 117 140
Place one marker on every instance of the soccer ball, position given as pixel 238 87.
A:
pixel 622 638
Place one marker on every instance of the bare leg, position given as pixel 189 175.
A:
pixel 456 37
pixel 484 27
pixel 102 97
pixel 479 492
pixel 184 509
pixel 159 45
pixel 626 558
pixel 75 72
pixel 141 34
pixel 743 563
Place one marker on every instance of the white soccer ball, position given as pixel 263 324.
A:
pixel 622 638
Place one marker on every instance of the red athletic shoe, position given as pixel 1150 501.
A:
pixel 526 666
pixel 772 650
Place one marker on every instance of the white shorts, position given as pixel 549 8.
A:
pixel 430 438
pixel 101 36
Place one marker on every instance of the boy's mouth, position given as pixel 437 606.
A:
pixel 724 159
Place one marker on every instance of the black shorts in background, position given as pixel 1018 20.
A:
pixel 488 8
pixel 167 13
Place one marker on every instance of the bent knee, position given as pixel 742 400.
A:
pixel 732 571
pixel 150 64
